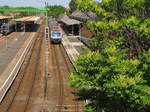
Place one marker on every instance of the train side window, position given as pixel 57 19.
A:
pixel 46 30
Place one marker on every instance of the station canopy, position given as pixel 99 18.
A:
pixel 5 17
pixel 28 18
pixel 68 21
pixel 34 18
pixel 23 19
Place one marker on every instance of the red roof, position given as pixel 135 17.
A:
pixel 86 33
pixel 68 9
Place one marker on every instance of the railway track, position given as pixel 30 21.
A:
pixel 62 66
pixel 69 69
pixel 27 93
pixel 18 97
pixel 36 91
pixel 28 80
pixel 60 78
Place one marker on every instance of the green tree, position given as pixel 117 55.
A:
pixel 21 13
pixel 73 5
pixel 114 75
pixel 111 82
pixel 56 10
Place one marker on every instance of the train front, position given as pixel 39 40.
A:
pixel 55 37
pixel 4 29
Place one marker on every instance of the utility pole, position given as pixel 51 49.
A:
pixel 46 49
pixel 46 13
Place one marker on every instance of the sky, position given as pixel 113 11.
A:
pixel 34 3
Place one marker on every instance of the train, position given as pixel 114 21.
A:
pixel 7 28
pixel 56 37
pixel 55 34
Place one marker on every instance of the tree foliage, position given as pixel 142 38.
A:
pixel 21 13
pixel 114 75
pixel 56 10
pixel 73 5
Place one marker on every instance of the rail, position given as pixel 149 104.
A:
pixel 13 73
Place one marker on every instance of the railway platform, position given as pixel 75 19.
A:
pixel 13 50
pixel 72 45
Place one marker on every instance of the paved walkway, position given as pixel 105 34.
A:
pixel 73 46
pixel 9 48
pixel 15 55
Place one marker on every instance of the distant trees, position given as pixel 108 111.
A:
pixel 56 10
pixel 6 6
pixel 21 13
pixel 27 13
pixel 4 13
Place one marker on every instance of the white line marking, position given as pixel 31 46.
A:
pixel 15 66
pixel 1 98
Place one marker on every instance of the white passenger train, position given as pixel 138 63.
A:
pixel 55 36
pixel 55 32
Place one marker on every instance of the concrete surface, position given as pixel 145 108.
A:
pixel 9 46
pixel 72 45
pixel 12 58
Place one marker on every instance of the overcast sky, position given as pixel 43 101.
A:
pixel 34 3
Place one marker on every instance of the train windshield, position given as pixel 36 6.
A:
pixel 56 34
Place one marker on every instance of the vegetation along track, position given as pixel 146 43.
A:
pixel 19 95
pixel 65 100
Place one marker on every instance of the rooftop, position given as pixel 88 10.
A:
pixel 5 17
pixel 84 16
pixel 29 18
pixel 68 21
